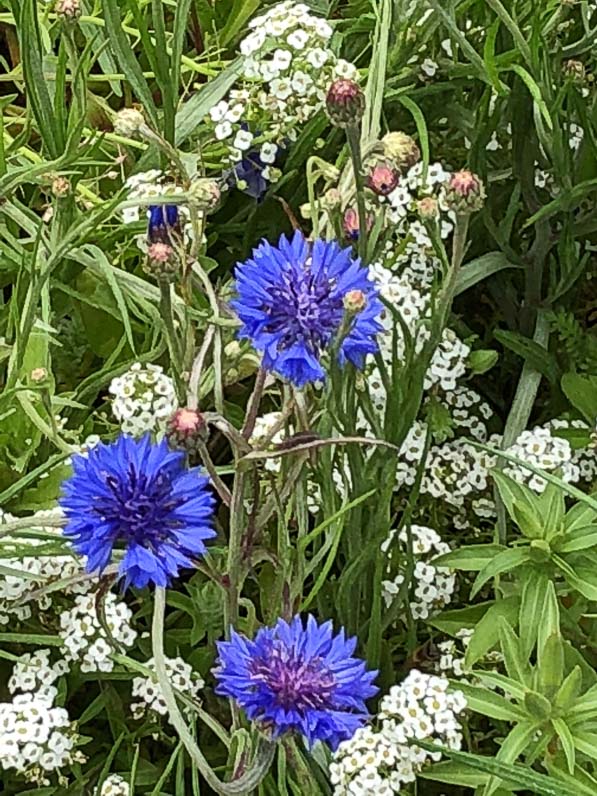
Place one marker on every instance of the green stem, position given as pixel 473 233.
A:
pixel 171 337
pixel 353 136
pixel 265 752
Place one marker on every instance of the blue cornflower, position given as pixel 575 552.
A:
pixel 297 678
pixel 163 220
pixel 291 303
pixel 140 496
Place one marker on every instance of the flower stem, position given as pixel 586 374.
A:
pixel 264 755
pixel 254 403
pixel 171 337
pixel 353 136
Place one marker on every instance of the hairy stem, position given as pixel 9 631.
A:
pixel 354 142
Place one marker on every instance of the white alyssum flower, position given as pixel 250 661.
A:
pixel 34 670
pixel 144 399
pixel 147 690
pixel 545 451
pixel 36 738
pixel 85 639
pixel 382 759
pixel 113 785
pixel 40 570
pixel 288 66
pixel 435 585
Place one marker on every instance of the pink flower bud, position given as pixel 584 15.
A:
pixel 345 103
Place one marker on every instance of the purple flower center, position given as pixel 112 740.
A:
pixel 139 508
pixel 303 309
pixel 296 683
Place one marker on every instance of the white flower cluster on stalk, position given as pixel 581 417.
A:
pixel 36 738
pixel 384 760
pixel 541 448
pixel 34 672
pixel 451 657
pixel 38 570
pixel 181 676
pixel 434 585
pixel 113 785
pixel 84 634
pixel 144 399
pixel 287 68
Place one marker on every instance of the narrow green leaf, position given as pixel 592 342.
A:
pixel 567 741
pixel 581 391
pixel 489 703
pixel 535 93
pixel 573 578
pixel 486 633
pixel 534 596
pixel 503 562
pixel 421 126
pixel 483 267
pixel 536 356
pixel 516 664
pixel 470 558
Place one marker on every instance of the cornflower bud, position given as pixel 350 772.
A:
pixel 345 103
pixel 186 428
pixel 68 10
pixel 205 194
pixel 465 192
pixel 402 149
pixel 162 262
pixel 383 178
pixel 428 208
pixel 350 224
pixel 38 374
pixel 61 187
pixel 354 301
pixel 331 199
pixel 128 122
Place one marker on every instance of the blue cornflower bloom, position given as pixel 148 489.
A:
pixel 163 220
pixel 140 496
pixel 291 303
pixel 297 678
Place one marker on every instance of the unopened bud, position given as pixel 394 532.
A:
pixel 69 10
pixel 305 210
pixel 205 194
pixel 350 224
pixel 61 187
pixel 186 428
pixel 465 192
pixel 345 103
pixel 354 301
pixel 428 208
pixel 383 178
pixel 575 70
pixel 128 122
pixel 38 374
pixel 162 262
pixel 402 149
pixel 332 199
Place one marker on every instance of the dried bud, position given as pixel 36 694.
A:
pixel 205 194
pixel 350 224
pixel 575 70
pixel 345 103
pixel 354 301
pixel 402 149
pixel 128 122
pixel 38 374
pixel 61 187
pixel 332 199
pixel 186 428
pixel 465 192
pixel 162 262
pixel 428 208
pixel 68 10
pixel 383 178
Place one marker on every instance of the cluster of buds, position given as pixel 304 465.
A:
pixel 186 429
pixel 68 10
pixel 465 193
pixel 345 103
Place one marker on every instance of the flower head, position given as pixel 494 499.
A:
pixel 345 102
pixel 290 300
pixel 163 220
pixel 141 496
pixel 297 678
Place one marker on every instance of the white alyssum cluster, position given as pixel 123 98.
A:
pixel 382 761
pixel 539 447
pixel 435 585
pixel 269 431
pixel 85 639
pixel 147 690
pixel 39 570
pixel 288 67
pixel 154 184
pixel 34 671
pixel 144 398
pixel 451 659
pixel 36 737
pixel 113 785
